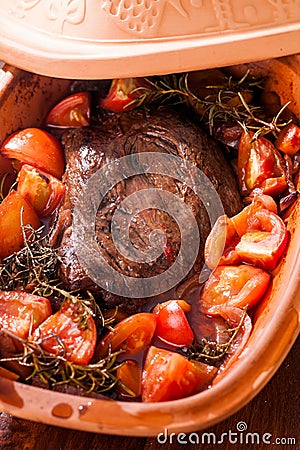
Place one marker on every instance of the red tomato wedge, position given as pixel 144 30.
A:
pixel 20 313
pixel 172 325
pixel 132 335
pixel 257 161
pixel 288 140
pixel 233 317
pixel 265 240
pixel 37 148
pixel 170 376
pixel 122 92
pixel 239 286
pixel 43 191
pixel 15 211
pixel 73 111
pixel 61 334
pixel 129 375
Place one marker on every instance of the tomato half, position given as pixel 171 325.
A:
pixel 132 335
pixel 239 286
pixel 172 325
pixel 35 147
pixel 72 111
pixel 265 240
pixel 43 191
pixel 15 211
pixel 257 161
pixel 61 334
pixel 288 140
pixel 21 313
pixel 170 376
pixel 122 92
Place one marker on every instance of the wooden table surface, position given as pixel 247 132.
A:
pixel 273 415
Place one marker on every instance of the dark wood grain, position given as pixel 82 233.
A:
pixel 275 411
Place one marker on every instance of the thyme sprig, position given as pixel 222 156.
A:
pixel 55 370
pixel 212 352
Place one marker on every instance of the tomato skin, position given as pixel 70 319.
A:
pixel 233 317
pixel 43 191
pixel 172 325
pixel 132 335
pixel 288 140
pixel 73 111
pixel 170 376
pixel 37 148
pixel 21 313
pixel 265 240
pixel 6 170
pixel 120 94
pixel 79 342
pixel 11 209
pixel 238 286
pixel 257 161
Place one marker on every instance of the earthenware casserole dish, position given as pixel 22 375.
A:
pixel 25 98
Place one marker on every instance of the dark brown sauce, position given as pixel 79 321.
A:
pixel 9 395
pixel 62 410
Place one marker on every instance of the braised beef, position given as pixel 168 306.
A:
pixel 138 131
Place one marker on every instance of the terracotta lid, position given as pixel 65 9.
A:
pixel 120 38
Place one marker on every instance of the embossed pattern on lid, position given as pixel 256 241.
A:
pixel 144 37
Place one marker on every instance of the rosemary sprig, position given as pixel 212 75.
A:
pixel 212 352
pixel 54 370
pixel 35 267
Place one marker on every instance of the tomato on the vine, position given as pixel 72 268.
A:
pixel 72 111
pixel 168 376
pixel 37 148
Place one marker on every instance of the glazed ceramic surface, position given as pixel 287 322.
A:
pixel 119 38
pixel 25 99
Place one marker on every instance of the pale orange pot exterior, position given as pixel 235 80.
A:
pixel 25 99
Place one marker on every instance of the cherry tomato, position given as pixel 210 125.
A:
pixel 61 334
pixel 288 140
pixel 43 191
pixel 257 161
pixel 274 186
pixel 170 376
pixel 129 375
pixel 7 175
pixel 15 211
pixel 20 313
pixel 72 111
pixel 233 317
pixel 239 286
pixel 132 335
pixel 172 325
pixel 35 147
pixel 121 94
pixel 265 240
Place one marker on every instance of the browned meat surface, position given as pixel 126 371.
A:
pixel 89 149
